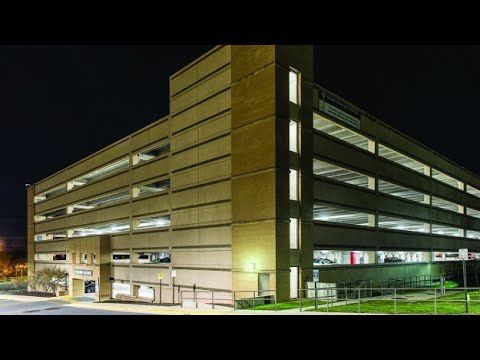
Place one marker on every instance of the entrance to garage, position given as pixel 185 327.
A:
pixel 83 287
pixel 89 287
pixel 77 287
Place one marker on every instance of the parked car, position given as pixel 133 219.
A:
pixel 144 259
pixel 323 261
pixel 89 287
pixel 393 259
pixel 161 260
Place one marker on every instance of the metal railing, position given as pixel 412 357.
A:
pixel 395 301
pixel 388 300
pixel 399 282
pixel 206 299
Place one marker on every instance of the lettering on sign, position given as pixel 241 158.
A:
pixel 339 110
pixel 83 272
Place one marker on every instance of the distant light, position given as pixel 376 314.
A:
pixel 251 266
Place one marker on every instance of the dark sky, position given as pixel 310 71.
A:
pixel 58 104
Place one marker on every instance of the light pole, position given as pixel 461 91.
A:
pixel 463 255
pixel 174 275
pixel 464 263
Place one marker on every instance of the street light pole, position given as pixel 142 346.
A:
pixel 160 292
pixel 465 284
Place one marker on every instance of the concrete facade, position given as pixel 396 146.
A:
pixel 207 188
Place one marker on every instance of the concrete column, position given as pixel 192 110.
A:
pixel 261 113
pixel 135 192
pixel 426 170
pixel 426 228
pixel 135 159
pixel 371 146
pixel 135 223
pixel 135 289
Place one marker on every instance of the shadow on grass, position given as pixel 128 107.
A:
pixel 289 305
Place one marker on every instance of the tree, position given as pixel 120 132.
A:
pixel 49 279
pixel 6 263
pixel 2 243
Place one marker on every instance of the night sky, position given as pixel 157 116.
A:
pixel 59 104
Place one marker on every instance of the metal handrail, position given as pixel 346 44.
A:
pixel 329 297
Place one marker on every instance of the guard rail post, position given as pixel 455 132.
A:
pixel 358 301
pixel 300 297
pixel 395 301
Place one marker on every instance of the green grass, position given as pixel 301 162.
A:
pixel 449 304
pixel 448 285
pixel 288 305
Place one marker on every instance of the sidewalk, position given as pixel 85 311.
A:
pixel 147 309
pixel 150 309
pixel 177 310
pixel 26 298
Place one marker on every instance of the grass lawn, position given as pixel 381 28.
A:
pixel 287 305
pixel 449 304
pixel 448 285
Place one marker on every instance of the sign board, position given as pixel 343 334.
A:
pixel 339 110
pixel 316 275
pixel 160 276
pixel 174 273
pixel 463 254
pixel 83 272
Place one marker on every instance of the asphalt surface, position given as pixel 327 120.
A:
pixel 31 305
pixel 50 306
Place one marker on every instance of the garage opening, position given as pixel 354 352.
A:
pixel 146 293
pixel 89 287
pixel 77 287
pixel 120 290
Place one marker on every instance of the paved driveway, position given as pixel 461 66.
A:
pixel 29 305
pixel 66 305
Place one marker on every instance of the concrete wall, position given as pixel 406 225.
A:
pixel 200 125
pixel 260 202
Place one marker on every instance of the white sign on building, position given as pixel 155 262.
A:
pixel 463 254
pixel 339 110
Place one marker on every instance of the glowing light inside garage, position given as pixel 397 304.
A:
pixel 154 222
